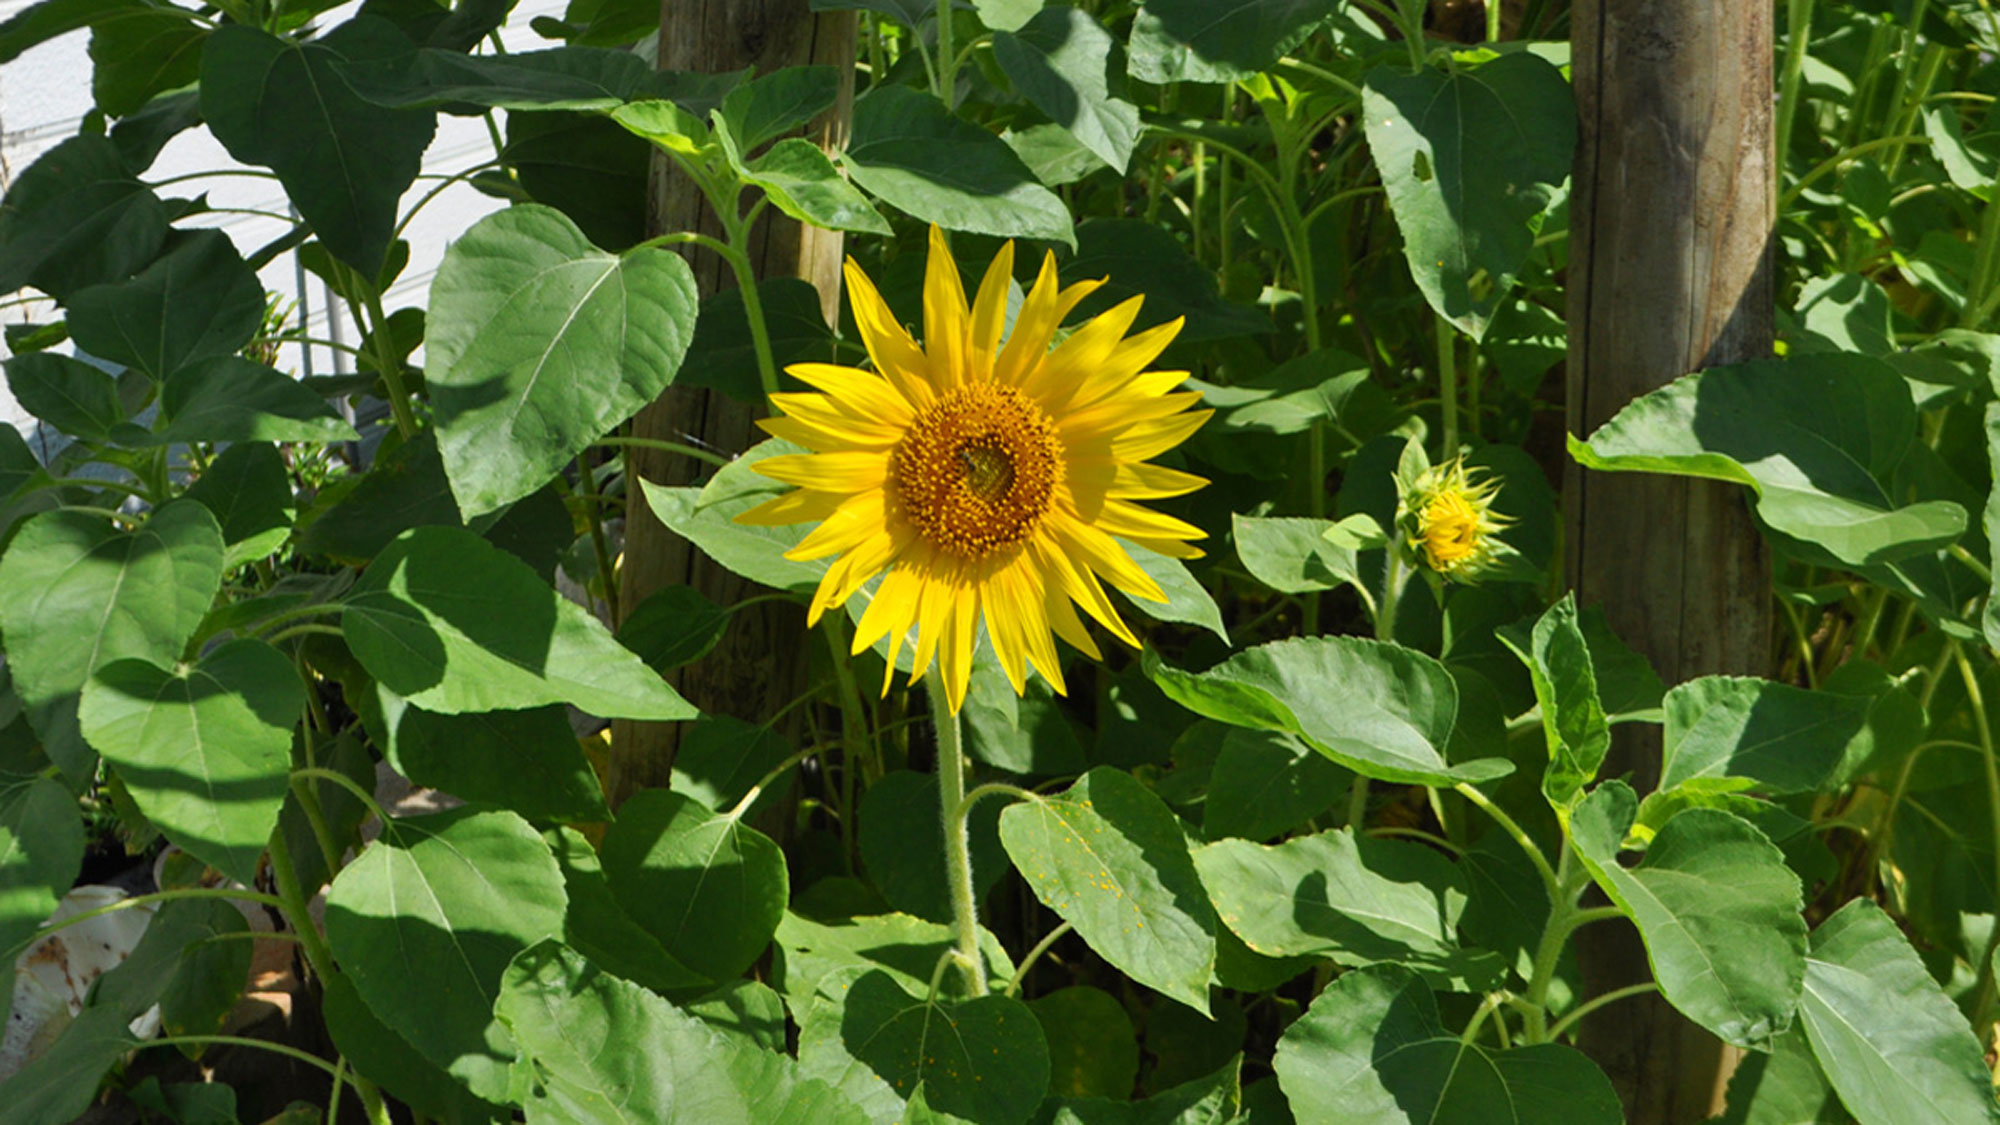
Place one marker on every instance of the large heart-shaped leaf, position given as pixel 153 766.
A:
pixel 1716 906
pixel 1471 158
pixel 228 398
pixel 910 151
pixel 1357 900
pixel 423 621
pixel 1062 60
pixel 1372 1051
pixel 1112 859
pixel 205 749
pixel 528 761
pixel 1816 436
pixel 540 343
pixel 1774 737
pixel 1218 40
pixel 1381 710
pixel 77 217
pixel 199 299
pixel 446 900
pixel 41 849
pixel 606 1051
pixel 76 593
pixel 1893 1044
pixel 344 161
pixel 72 396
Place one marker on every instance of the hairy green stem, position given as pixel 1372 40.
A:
pixel 1575 1015
pixel 1034 955
pixel 957 839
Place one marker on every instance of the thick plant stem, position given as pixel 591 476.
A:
pixel 1447 341
pixel 390 368
pixel 957 839
pixel 1983 991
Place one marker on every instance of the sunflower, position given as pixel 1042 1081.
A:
pixel 985 481
pixel 1450 513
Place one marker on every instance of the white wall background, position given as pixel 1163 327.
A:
pixel 45 93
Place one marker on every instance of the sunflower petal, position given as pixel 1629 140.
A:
pixel 890 348
pixel 863 392
pixel 849 472
pixel 944 314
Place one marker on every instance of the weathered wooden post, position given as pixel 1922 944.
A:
pixel 760 665
pixel 1670 272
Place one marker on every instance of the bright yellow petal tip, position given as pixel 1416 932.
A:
pixel 985 479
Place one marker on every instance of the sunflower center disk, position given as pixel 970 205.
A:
pixel 977 470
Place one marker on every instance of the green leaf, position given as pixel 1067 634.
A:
pixel 67 394
pixel 1381 710
pixel 1188 601
pixel 1989 621
pixel 1844 313
pixel 1781 1087
pixel 1144 259
pixel 609 1051
pixel 1292 555
pixel 205 749
pixel 706 517
pixel 586 166
pixel 803 183
pixel 61 1083
pixel 76 594
pixel 1093 1051
pixel 601 930
pixel 1777 738
pixel 528 761
pixel 722 356
pixel 249 490
pixel 910 13
pixel 1112 859
pixel 39 23
pixel 539 344
pixel 573 77
pixel 1359 901
pixel 1892 1043
pixel 1372 1051
pixel 721 757
pixel 448 900
pixel 142 135
pixel 1559 664
pixel 819 958
pixel 901 837
pixel 287 106
pixel 422 621
pixel 384 1056
pixel 1471 160
pixel 1025 734
pixel 747 1010
pixel 1815 436
pixel 77 217
pixel 142 51
pixel 1063 61
pixel 1716 906
pixel 198 300
pixel 710 888
pixel 675 625
pixel 405 488
pixel 1219 40
pixel 1210 1100
pixel 908 150
pixel 1267 783
pixel 229 398
pixel 767 108
pixel 983 1059
pixel 41 850
pixel 213 970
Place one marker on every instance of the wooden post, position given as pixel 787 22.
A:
pixel 760 664
pixel 1670 223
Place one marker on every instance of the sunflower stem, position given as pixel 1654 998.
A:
pixel 957 839
pixel 1448 384
pixel 753 303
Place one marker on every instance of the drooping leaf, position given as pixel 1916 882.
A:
pixel 528 761
pixel 205 749
pixel 908 150
pixel 41 849
pixel 599 928
pixel 982 1059
pixel 1360 901
pixel 1266 783
pixel 1716 906
pixel 77 217
pixel 1093 1051
pixel 66 394
pixel 1815 436
pixel 772 105
pixel 541 343
pixel 287 106
pixel 1188 601
pixel 1565 679
pixel 802 182
pixel 76 594
pixel 1218 40
pixel 229 398
pixel 1292 555
pixel 447 899
pixel 573 77
pixel 1891 1042
pixel 1372 1051
pixel 200 299
pixel 141 51
pixel 1470 158
pixel 1775 737
pixel 708 887
pixel 421 621
pixel 1064 62
pixel 383 1055
pixel 1111 858
pixel 607 1051
pixel 248 489
pixel 1377 708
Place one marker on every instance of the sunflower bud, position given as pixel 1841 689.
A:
pixel 1448 523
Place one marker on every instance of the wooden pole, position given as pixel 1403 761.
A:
pixel 760 664
pixel 1670 272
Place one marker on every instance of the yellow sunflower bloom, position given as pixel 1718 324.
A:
pixel 985 481
pixel 1451 520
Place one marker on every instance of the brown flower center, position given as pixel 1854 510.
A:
pixel 976 470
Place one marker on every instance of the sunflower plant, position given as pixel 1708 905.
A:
pixel 697 659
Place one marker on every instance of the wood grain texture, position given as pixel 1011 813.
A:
pixel 760 664
pixel 1670 272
